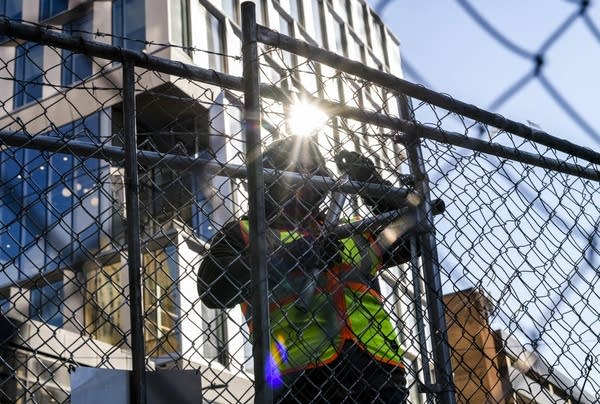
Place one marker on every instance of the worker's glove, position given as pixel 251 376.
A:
pixel 361 168
pixel 358 167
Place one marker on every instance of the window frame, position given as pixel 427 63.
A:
pixel 216 45
pixel 51 8
pixel 68 74
pixel 122 37
pixel 14 15
pixel 24 94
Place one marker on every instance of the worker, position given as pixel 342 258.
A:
pixel 340 346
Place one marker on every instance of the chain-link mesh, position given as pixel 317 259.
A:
pixel 374 223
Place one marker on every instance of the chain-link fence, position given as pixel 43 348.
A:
pixel 334 250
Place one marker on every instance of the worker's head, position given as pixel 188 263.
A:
pixel 296 154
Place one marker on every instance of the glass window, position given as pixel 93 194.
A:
pixel 203 211
pixel 286 28
pixel 104 298
pixel 340 8
pixel 4 305
pixel 129 24
pixel 49 201
pixel 296 11
pixel 33 237
pixel 261 12
pixel 60 203
pixel 11 190
pixel 180 23
pixel 29 73
pixel 45 304
pixel 377 34
pixel 49 8
pixel 87 183
pixel 215 35
pixel 11 9
pixel 358 20
pixel 341 45
pixel 215 334
pixel 317 10
pixel 76 66
pixel 161 302
pixel 231 8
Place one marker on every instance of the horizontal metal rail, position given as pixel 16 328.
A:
pixel 204 165
pixel 101 50
pixel 47 36
pixel 498 150
pixel 299 47
pixel 414 129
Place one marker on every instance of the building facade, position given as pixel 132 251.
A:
pixel 63 270
pixel 491 366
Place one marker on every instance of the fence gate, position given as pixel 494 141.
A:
pixel 472 252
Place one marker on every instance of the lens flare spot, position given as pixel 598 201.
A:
pixel 278 356
pixel 273 374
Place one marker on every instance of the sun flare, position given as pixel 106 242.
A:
pixel 306 118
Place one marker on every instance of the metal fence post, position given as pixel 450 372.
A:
pixel 431 275
pixel 134 253
pixel 256 202
pixel 431 272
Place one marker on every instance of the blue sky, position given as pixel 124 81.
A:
pixel 445 49
pixel 453 54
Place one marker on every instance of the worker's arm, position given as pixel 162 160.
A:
pixel 361 168
pixel 224 274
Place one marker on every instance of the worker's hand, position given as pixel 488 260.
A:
pixel 361 168
pixel 357 166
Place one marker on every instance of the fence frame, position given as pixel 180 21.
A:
pixel 407 131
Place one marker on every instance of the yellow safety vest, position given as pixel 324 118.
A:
pixel 345 307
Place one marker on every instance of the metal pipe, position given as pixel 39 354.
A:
pixel 134 250
pixel 419 318
pixel 432 278
pixel 206 166
pixel 412 128
pixel 256 203
pixel 301 48
pixel 47 36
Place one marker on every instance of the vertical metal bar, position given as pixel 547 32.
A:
pixel 256 202
pixel 416 274
pixel 134 249
pixel 431 275
pixel 431 271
